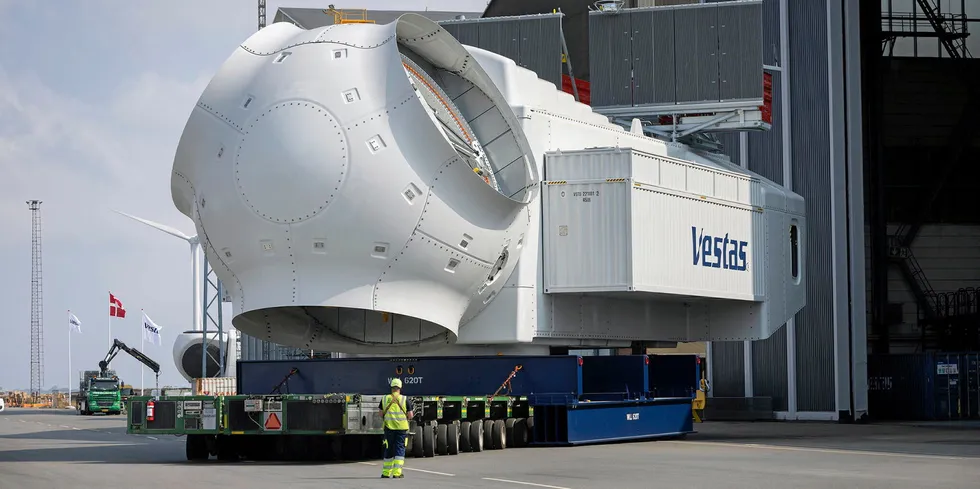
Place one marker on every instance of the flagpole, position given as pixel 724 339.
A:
pixel 69 357
pixel 142 349
pixel 109 365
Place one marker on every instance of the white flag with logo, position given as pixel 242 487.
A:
pixel 151 332
pixel 74 323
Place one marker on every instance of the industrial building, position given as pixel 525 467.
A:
pixel 867 115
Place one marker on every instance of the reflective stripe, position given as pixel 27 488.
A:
pixel 395 416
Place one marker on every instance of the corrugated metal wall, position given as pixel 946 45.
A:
pixel 809 96
pixel 533 42
pixel 764 151
pixel 811 179
pixel 728 368
pixel 765 155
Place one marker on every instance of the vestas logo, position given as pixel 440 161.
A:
pixel 718 251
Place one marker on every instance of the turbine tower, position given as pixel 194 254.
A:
pixel 37 333
pixel 197 316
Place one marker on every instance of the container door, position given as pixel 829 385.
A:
pixel 947 386
pixel 900 386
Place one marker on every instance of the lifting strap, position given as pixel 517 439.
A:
pixel 506 382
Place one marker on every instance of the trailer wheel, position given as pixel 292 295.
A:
pixel 442 443
pixel 499 435
pixel 464 436
pixel 520 433
pixel 488 434
pixel 452 438
pixel 428 441
pixel 196 447
pixel 530 430
pixel 417 451
pixel 476 436
pixel 509 428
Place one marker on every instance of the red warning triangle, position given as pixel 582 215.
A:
pixel 272 422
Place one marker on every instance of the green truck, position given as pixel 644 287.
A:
pixel 99 392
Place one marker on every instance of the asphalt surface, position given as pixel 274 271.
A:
pixel 50 449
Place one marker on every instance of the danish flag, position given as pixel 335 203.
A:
pixel 116 307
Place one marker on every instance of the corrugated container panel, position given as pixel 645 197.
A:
pixel 811 179
pixel 900 387
pixel 739 52
pixel 594 222
pixel 502 38
pixel 453 29
pixel 765 148
pixel 215 386
pixel 695 54
pixel 728 368
pixel 653 57
pixel 540 47
pixel 610 60
pixel 769 369
pixel 467 33
pixel 615 231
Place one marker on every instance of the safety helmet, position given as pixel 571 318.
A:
pixel 396 383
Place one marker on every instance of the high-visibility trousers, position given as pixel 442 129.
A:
pixel 394 457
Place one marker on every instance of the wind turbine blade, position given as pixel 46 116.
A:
pixel 160 227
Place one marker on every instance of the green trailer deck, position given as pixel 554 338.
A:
pixel 327 427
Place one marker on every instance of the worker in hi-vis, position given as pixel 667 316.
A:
pixel 396 410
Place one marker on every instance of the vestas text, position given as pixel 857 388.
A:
pixel 718 251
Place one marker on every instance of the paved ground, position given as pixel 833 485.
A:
pixel 45 449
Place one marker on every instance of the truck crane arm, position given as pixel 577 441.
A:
pixel 114 350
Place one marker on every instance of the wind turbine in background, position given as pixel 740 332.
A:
pixel 197 316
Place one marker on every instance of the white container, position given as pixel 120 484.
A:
pixel 617 220
pixel 215 386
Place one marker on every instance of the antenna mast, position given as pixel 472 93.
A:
pixel 37 310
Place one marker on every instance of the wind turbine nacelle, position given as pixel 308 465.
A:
pixel 356 187
pixel 187 354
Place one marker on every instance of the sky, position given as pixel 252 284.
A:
pixel 93 98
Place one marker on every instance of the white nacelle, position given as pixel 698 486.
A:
pixel 344 199
pixel 370 188
pixel 187 354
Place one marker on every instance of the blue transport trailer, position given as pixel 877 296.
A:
pixel 328 407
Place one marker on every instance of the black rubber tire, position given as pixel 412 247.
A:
pixel 442 443
pixel 476 436
pixel 452 439
pixel 417 446
pixel 464 436
pixel 509 428
pixel 196 447
pixel 520 434
pixel 530 430
pixel 499 435
pixel 488 434
pixel 428 441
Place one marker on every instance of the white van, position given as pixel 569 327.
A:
pixel 1 404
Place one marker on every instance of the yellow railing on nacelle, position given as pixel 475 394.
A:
pixel 348 16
